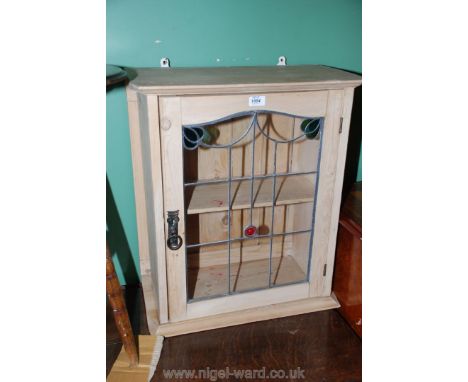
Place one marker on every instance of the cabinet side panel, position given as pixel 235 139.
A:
pixel 149 128
pixel 140 204
pixel 172 166
pixel 326 194
pixel 340 167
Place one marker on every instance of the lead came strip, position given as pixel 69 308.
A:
pixel 317 177
pixel 273 196
pixel 252 173
pixel 229 219
pixel 247 238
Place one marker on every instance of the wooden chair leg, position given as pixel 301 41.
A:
pixel 117 302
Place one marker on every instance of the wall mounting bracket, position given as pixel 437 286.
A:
pixel 281 61
pixel 164 62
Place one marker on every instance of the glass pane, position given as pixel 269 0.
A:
pixel 291 259
pixel 208 158
pixel 250 183
pixel 250 264
pixel 297 217
pixel 207 271
pixel 207 227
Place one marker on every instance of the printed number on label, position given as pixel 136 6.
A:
pixel 257 101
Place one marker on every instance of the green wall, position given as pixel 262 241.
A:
pixel 210 33
pixel 359 174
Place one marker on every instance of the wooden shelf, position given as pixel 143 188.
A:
pixel 289 190
pixel 249 275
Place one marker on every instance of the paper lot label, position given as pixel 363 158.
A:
pixel 257 101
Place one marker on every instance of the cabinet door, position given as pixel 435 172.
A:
pixel 243 172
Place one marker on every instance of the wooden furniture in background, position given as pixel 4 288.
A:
pixel 147 346
pixel 117 302
pixel 238 175
pixel 347 281
pixel 116 76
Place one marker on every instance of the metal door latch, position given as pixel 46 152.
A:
pixel 174 241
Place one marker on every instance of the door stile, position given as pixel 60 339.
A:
pixel 326 194
pixel 172 165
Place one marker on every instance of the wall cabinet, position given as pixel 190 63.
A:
pixel 238 175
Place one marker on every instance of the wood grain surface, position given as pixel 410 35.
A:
pixel 119 309
pixel 289 190
pixel 347 280
pixel 241 79
pixel 320 343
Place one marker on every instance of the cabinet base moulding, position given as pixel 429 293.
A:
pixel 269 312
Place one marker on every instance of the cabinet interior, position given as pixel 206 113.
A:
pixel 253 169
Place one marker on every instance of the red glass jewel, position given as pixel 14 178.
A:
pixel 250 230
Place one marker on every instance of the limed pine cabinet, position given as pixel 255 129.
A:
pixel 238 175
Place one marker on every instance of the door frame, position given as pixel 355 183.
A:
pixel 176 111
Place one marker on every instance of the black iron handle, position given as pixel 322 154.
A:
pixel 174 241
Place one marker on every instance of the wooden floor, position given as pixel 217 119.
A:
pixel 320 343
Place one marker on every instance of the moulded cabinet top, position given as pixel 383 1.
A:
pixel 179 81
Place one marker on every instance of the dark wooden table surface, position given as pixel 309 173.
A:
pixel 321 343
